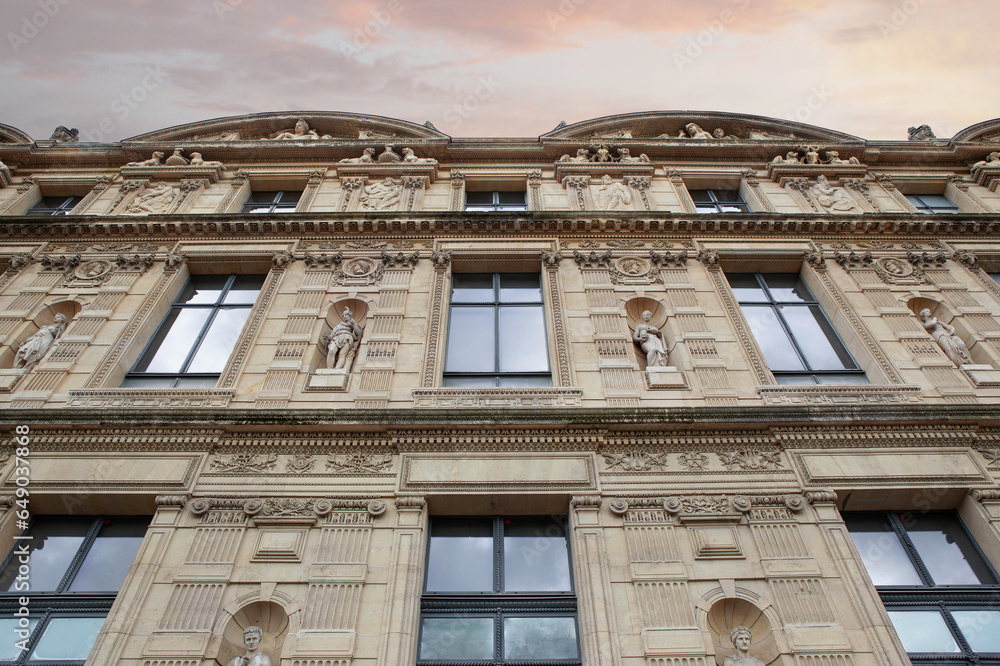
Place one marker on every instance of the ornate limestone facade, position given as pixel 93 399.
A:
pixel 659 389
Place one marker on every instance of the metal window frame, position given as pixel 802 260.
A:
pixel 776 306
pixel 496 206
pixel 69 203
pixel 500 604
pixel 916 200
pixel 496 304
pixel 276 204
pixel 714 201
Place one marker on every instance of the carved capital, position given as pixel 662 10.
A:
pixel 668 259
pixel 352 183
pixel 174 261
pixel 821 496
pixel 926 259
pixel 323 260
pixel 584 502
pixel 410 503
pixel 959 182
pixel 853 260
pixel 281 260
pixel 26 184
pixel 816 260
pixel 966 258
pixel 535 178
pixel 441 260
pixel 593 260
pixel 986 494
pixel 400 260
pixel 135 262
pixel 750 177
pixel 551 259
pixel 63 263
pixel 576 182
pixel 20 260
pixel 171 500
pixel 457 179
pixel 638 182
pixel 709 258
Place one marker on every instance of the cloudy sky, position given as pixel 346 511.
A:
pixel 872 68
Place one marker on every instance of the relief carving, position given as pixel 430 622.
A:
pixel 635 461
pixel 751 459
pixel 382 195
pixel 832 199
pixel 612 195
pixel 155 201
pixel 244 463
pixel 34 349
pixel 693 461
pixel 359 463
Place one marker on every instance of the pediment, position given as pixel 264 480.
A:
pixel 267 126
pixel 985 131
pixel 669 124
pixel 10 134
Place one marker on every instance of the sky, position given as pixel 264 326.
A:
pixel 478 68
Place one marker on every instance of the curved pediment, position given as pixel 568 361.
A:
pixel 984 131
pixel 320 125
pixel 10 134
pixel 670 124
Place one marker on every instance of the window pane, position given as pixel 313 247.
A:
pixel 471 343
pixel 456 638
pixel 936 201
pixel 794 380
pixel 981 628
pixel 173 340
pixel 746 288
pixel 220 340
pixel 244 290
pixel 479 199
pixel 700 196
pixel 881 551
pixel 9 651
pixel 538 638
pixel 728 196
pixel 520 288
pixel 771 337
pixel 733 208
pixel 67 638
pixel 510 198
pixel 289 198
pixel 536 557
pixel 787 287
pixel 816 338
pixel 461 555
pixel 522 340
pixel 55 544
pixel 946 551
pixel 202 289
pixel 923 631
pixel 524 380
pixel 469 381
pixel 110 556
pixel 706 209
pixel 472 288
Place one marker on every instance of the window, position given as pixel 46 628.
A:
pixel 76 565
pixel 281 201
pixel 718 201
pixel 496 331
pixel 193 343
pixel 495 201
pixel 932 204
pixel 939 591
pixel 798 342
pixel 54 206
pixel 498 591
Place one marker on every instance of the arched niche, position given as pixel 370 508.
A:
pixel 267 615
pixel 634 307
pixel 43 317
pixel 360 309
pixel 946 315
pixel 729 613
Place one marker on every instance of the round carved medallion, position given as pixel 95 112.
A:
pixel 92 270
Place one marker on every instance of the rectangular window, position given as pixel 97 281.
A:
pixel 495 201
pixel 939 591
pixel 281 201
pixel 54 206
pixel 498 591
pixel 496 331
pixel 194 342
pixel 798 342
pixel 76 564
pixel 718 201
pixel 932 204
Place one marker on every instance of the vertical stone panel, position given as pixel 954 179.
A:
pixel 214 545
pixel 343 545
pixel 664 604
pixel 192 607
pixel 653 543
pixel 779 540
pixel 802 600
pixel 331 606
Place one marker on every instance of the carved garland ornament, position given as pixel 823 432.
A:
pixel 635 461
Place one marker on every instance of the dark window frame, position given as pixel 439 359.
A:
pixel 929 596
pixel 64 208
pixel 280 202
pixel 496 205
pixel 924 208
pixel 500 604
pixel 718 204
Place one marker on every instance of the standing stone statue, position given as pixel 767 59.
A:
pixel 741 637
pixel 251 639
pixel 944 334
pixel 651 340
pixel 342 343
pixel 34 348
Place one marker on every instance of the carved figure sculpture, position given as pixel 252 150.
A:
pixel 811 155
pixel 582 155
pixel 153 201
pixel 651 340
pixel 32 350
pixel 410 158
pixel 720 134
pixel 833 199
pixel 177 159
pixel 833 157
pixel 944 334
pixel 602 155
pixel 993 159
pixel 63 134
pixel 922 133
pixel 693 131
pixel 388 155
pixel 198 160
pixel 253 657
pixel 741 637
pixel 612 195
pixel 151 162
pixel 381 195
pixel 626 158
pixel 367 157
pixel 791 157
pixel 302 132
pixel 342 342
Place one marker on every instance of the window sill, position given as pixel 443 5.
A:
pixel 546 396
pixel 839 394
pixel 126 398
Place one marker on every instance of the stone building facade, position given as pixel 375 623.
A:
pixel 598 397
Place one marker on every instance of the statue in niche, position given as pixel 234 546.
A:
pixel 153 161
pixel 833 199
pixel 791 157
pixel 32 350
pixel 198 160
pixel 153 201
pixel 944 334
pixel 367 157
pixel 177 159
pixel 693 131
pixel 993 160
pixel 833 157
pixel 741 637
pixel 381 195
pixel 612 195
pixel 582 155
pixel 342 342
pixel 301 132
pixel 651 340
pixel 253 657
pixel 625 157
